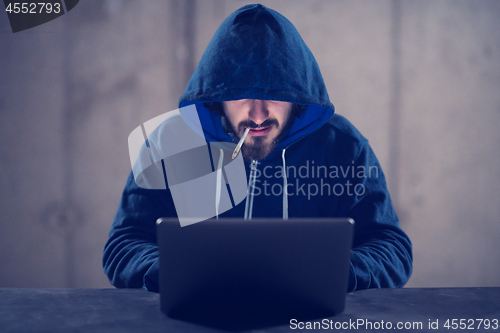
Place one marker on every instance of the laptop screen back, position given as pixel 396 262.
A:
pixel 296 268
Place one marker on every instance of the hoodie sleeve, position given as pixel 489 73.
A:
pixel 382 253
pixel 130 257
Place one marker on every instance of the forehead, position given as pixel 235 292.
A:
pixel 250 103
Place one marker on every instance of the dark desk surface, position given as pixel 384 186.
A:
pixel 114 310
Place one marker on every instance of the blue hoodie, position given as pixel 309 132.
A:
pixel 330 169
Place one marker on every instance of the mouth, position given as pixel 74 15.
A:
pixel 260 131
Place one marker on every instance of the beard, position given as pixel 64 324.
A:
pixel 257 147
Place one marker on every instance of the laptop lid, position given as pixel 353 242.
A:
pixel 254 269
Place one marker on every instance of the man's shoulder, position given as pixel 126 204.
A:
pixel 337 137
pixel 339 131
pixel 344 129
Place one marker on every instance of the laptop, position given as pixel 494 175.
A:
pixel 267 271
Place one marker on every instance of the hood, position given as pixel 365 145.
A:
pixel 258 54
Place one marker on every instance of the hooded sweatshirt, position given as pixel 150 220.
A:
pixel 326 166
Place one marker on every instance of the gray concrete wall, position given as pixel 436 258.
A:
pixel 450 143
pixel 420 79
pixel 71 92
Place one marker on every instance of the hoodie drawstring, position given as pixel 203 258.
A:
pixel 285 188
pixel 218 186
pixel 251 189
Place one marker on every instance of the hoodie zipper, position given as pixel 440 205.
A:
pixel 251 190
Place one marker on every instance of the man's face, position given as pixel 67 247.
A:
pixel 266 120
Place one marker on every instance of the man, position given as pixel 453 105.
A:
pixel 301 159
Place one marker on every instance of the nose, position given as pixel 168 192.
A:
pixel 258 111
